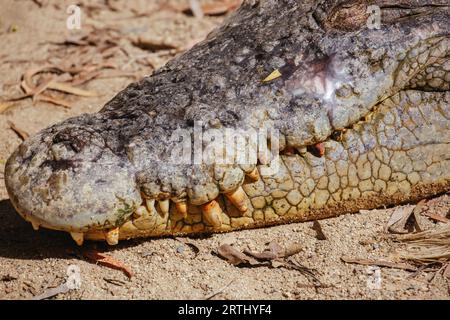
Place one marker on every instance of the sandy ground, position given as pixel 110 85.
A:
pixel 32 262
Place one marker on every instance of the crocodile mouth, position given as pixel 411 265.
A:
pixel 356 129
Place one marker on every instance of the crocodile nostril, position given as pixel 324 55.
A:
pixel 78 138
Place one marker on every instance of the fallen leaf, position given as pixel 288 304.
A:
pixel 431 245
pixel 274 256
pixel 70 89
pixel 291 250
pixel 21 133
pixel 116 74
pixel 4 106
pixel 399 218
pixel 436 217
pixel 196 9
pixel 153 44
pixel 447 271
pixel 235 257
pixel 63 288
pixel 56 101
pixel 215 8
pixel 419 222
pixel 107 261
pixel 84 77
pixel 27 83
pixel 274 251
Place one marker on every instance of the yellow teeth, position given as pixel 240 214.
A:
pixel 112 236
pixel 35 225
pixel 254 175
pixel 211 213
pixel 238 198
pixel 150 204
pixel 78 237
pixel 141 211
pixel 182 208
pixel 164 205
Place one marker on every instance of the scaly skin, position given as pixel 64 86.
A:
pixel 363 118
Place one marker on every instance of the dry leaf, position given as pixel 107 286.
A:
pixel 4 106
pixel 21 133
pixel 274 251
pixel 153 44
pixel 399 218
pixel 72 90
pixel 216 8
pixel 235 257
pixel 107 261
pixel 63 288
pixel 447 271
pixel 436 217
pixel 427 246
pixel 56 101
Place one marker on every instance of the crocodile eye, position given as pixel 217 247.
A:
pixel 349 16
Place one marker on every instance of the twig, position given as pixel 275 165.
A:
pixel 380 263
pixel 436 217
pixel 215 293
pixel 22 134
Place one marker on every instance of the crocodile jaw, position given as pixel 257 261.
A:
pixel 104 172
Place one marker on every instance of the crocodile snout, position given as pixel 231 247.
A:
pixel 66 179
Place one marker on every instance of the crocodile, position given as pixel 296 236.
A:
pixel 348 101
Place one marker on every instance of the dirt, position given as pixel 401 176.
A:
pixel 32 262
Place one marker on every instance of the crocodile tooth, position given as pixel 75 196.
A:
pixel 34 223
pixel 211 213
pixel 141 211
pixel 150 204
pixel 302 150
pixel 164 206
pixel 238 198
pixel 112 236
pixel 263 157
pixel 254 175
pixel 78 237
pixel 182 208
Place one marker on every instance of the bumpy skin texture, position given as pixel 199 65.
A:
pixel 376 99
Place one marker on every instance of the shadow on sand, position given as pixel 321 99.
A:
pixel 18 240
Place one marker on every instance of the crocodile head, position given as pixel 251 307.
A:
pixel 304 69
